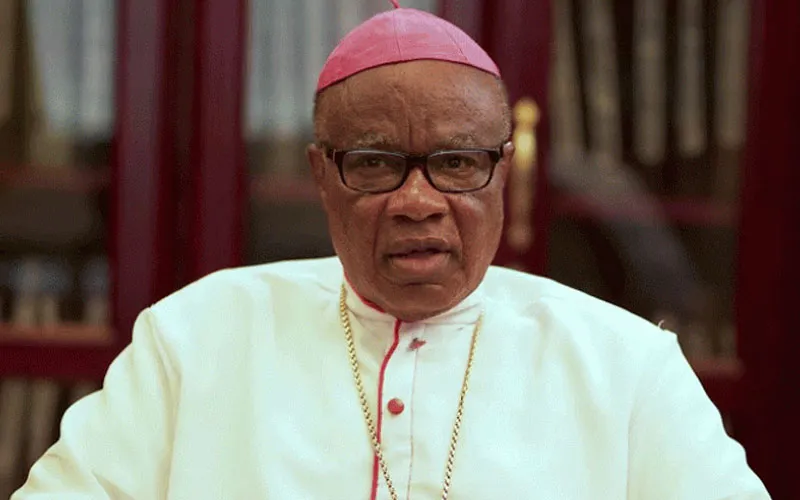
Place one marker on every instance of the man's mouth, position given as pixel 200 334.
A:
pixel 417 254
pixel 414 247
pixel 420 259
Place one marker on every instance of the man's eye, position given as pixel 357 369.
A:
pixel 455 162
pixel 374 162
pixel 370 161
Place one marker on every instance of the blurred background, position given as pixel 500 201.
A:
pixel 146 143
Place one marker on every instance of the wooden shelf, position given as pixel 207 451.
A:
pixel 71 179
pixel 665 210
pixel 721 378
pixel 283 188
pixel 74 363
pixel 66 352
pixel 63 334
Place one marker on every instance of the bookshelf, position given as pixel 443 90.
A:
pixel 69 293
pixel 129 193
pixel 64 364
pixel 644 169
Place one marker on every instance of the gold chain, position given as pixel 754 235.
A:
pixel 362 397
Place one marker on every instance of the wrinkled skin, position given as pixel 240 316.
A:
pixel 415 107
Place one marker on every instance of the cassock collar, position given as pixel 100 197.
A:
pixel 465 312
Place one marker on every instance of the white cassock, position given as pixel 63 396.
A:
pixel 239 387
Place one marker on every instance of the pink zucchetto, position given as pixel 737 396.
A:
pixel 402 35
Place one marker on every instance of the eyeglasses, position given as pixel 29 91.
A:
pixel 452 171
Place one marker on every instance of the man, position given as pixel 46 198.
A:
pixel 407 367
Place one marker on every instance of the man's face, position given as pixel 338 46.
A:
pixel 415 251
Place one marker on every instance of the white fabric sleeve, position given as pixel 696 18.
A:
pixel 678 447
pixel 115 443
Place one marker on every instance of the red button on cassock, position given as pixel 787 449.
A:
pixel 416 344
pixel 396 406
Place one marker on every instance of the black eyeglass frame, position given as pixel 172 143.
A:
pixel 337 156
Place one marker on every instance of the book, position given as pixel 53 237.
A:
pixel 731 72
pixel 43 413
pixel 13 402
pixel 730 94
pixel 691 96
pixel 316 47
pixel 53 29
pixel 283 96
pixel 5 289
pixel 53 283
pixel 8 50
pixel 15 394
pixel 256 114
pixel 96 86
pixel 565 95
pixel 284 91
pixel 602 86
pixel 26 282
pixel 94 287
pixel 94 283
pixel 649 90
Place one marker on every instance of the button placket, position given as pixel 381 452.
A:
pixel 397 395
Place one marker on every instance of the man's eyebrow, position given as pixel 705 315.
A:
pixel 385 142
pixel 458 141
pixel 374 141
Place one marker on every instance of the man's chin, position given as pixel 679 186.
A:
pixel 412 302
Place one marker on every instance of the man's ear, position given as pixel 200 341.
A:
pixel 504 166
pixel 316 160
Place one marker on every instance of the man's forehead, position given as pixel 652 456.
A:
pixel 452 105
pixel 426 74
pixel 389 142
pixel 419 87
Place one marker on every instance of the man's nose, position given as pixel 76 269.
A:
pixel 417 199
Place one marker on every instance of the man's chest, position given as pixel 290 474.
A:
pixel 300 432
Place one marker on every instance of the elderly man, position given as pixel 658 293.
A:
pixel 407 367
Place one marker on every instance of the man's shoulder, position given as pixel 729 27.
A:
pixel 240 286
pixel 569 312
pixel 593 347
pixel 228 319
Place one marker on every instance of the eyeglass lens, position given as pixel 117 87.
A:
pixel 451 171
